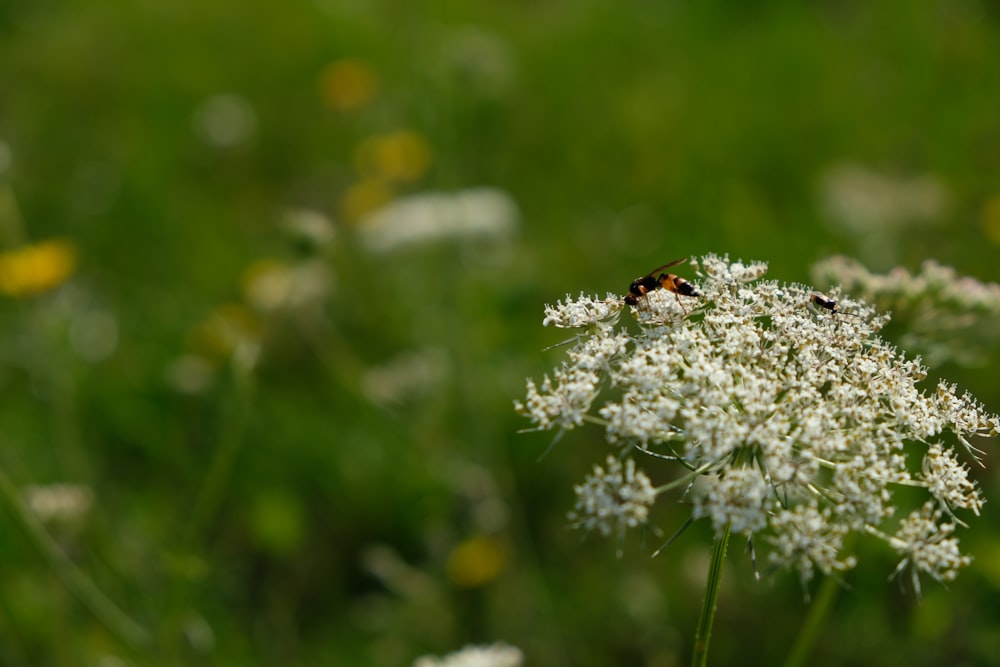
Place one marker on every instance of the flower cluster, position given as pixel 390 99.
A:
pixel 483 213
pixel 947 317
pixel 787 418
pixel 494 655
pixel 619 496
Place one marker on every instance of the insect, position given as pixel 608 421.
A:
pixel 823 301
pixel 640 287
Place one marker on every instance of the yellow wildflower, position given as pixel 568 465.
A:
pixel 991 219
pixel 476 561
pixel 396 157
pixel 348 84
pixel 364 197
pixel 36 268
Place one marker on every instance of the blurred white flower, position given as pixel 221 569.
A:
pixel 477 213
pixel 58 502
pixel 405 377
pixel 495 655
pixel 311 227
pixel 225 120
pixel 270 285
pixel 477 60
pixel 796 421
pixel 93 334
pixel 191 374
pixel 945 317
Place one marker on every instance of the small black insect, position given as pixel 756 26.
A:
pixel 823 301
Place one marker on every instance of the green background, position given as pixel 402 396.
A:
pixel 628 132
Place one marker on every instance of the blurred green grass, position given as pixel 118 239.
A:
pixel 371 426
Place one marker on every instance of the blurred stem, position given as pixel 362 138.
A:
pixel 712 586
pixel 120 624
pixel 11 224
pixel 818 612
pixel 221 467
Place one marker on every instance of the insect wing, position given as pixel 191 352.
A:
pixel 665 266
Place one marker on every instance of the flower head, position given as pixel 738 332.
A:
pixel 494 655
pixel 788 419
pixel 926 545
pixel 946 317
pixel 614 499
pixel 483 213
pixel 36 268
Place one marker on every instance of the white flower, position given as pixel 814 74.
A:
pixel 476 213
pixel 563 402
pixel 737 496
pixel 272 286
pixel 495 655
pixel 806 538
pixel 795 419
pixel 308 226
pixel 582 311
pixel 719 268
pixel 405 377
pixel 947 317
pixel 948 480
pixel 926 546
pixel 614 499
pixel 59 502
pixel 225 120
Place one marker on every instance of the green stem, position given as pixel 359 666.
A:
pixel 683 481
pixel 814 620
pixel 220 468
pixel 704 632
pixel 12 232
pixel 119 623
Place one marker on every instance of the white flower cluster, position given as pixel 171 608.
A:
pixel 619 497
pixel 485 213
pixel 790 418
pixel 947 317
pixel 495 655
pixel 582 311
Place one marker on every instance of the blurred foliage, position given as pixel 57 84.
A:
pixel 280 443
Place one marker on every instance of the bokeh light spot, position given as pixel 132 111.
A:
pixel 476 561
pixel 348 84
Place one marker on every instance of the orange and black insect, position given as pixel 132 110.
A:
pixel 640 287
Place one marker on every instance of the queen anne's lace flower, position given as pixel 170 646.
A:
pixel 945 316
pixel 926 546
pixel 798 421
pixel 613 499
pixel 582 311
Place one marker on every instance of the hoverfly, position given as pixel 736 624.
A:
pixel 642 286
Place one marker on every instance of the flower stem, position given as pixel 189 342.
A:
pixel 220 468
pixel 85 590
pixel 704 632
pixel 818 612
